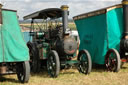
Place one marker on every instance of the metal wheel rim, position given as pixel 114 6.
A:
pixel 20 72
pixel 83 66
pixel 111 61
pixel 51 65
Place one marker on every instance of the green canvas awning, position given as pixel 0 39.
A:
pixel 12 45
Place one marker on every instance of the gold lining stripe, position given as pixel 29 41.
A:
pixel 125 2
pixel 90 14
pixel 97 12
pixel 118 6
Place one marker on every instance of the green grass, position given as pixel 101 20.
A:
pixel 73 77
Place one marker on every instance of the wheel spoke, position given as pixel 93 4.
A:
pixel 20 71
pixel 53 64
pixel 85 62
pixel 112 60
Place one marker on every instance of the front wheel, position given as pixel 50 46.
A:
pixel 23 71
pixel 53 64
pixel 112 60
pixel 85 63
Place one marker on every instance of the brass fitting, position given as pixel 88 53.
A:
pixel 64 7
pixel 125 2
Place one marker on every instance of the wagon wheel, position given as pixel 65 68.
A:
pixel 53 64
pixel 34 57
pixel 112 60
pixel 85 63
pixel 23 71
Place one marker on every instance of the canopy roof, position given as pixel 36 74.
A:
pixel 46 13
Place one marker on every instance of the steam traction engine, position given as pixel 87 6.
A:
pixel 54 43
pixel 124 40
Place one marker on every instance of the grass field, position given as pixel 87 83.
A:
pixel 70 25
pixel 73 77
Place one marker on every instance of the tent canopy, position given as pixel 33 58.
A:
pixel 12 45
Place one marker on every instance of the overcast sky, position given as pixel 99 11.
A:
pixel 76 7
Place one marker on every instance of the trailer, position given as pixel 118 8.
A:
pixel 14 54
pixel 101 33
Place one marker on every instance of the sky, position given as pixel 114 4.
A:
pixel 76 7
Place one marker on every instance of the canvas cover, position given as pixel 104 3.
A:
pixel 100 33
pixel 12 45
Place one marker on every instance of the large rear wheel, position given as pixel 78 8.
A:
pixel 85 63
pixel 34 57
pixel 53 64
pixel 112 60
pixel 23 71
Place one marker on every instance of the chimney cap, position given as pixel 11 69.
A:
pixel 64 7
pixel 124 2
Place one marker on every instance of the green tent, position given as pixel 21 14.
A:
pixel 12 45
pixel 100 30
